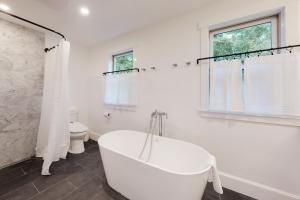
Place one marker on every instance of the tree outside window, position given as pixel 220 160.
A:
pixel 241 40
pixel 123 61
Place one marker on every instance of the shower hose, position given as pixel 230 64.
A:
pixel 152 126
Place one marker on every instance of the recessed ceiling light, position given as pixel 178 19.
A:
pixel 84 11
pixel 4 7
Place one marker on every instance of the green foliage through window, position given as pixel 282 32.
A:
pixel 123 61
pixel 251 38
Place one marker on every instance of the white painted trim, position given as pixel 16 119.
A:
pixel 254 189
pixel 252 117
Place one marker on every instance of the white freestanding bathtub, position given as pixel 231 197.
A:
pixel 177 170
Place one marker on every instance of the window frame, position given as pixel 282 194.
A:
pixel 121 54
pixel 203 108
pixel 275 30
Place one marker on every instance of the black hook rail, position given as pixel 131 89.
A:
pixel 38 25
pixel 120 71
pixel 289 48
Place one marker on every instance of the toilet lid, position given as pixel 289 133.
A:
pixel 77 127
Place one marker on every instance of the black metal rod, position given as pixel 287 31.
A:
pixel 49 49
pixel 248 52
pixel 119 71
pixel 38 25
pixel 33 23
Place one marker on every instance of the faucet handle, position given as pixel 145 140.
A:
pixel 165 114
pixel 154 113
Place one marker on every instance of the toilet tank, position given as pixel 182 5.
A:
pixel 74 115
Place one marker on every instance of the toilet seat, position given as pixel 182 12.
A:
pixel 77 127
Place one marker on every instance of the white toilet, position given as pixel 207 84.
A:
pixel 78 133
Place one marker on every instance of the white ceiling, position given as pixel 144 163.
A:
pixel 108 18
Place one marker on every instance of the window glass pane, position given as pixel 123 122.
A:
pixel 242 40
pixel 123 61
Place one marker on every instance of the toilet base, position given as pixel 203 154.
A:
pixel 76 146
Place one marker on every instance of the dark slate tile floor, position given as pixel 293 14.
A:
pixel 79 177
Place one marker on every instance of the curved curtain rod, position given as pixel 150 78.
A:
pixel 248 52
pixel 35 24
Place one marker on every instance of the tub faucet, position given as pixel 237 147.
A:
pixel 156 115
pixel 159 115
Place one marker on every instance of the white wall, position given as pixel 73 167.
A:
pixel 261 160
pixel 78 67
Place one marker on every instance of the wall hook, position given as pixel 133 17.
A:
pixel 175 65
pixel 259 53
pixel 188 63
pixel 289 49
pixel 153 68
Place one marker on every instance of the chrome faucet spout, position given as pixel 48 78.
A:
pixel 160 121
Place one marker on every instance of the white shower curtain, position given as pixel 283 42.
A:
pixel 54 136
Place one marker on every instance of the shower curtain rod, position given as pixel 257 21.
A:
pixel 38 25
pixel 289 48
pixel 118 71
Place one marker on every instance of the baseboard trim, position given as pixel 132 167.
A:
pixel 255 190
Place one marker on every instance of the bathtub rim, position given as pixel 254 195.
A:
pixel 156 166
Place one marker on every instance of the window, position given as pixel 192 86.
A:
pixel 247 85
pixel 123 61
pixel 251 36
pixel 121 88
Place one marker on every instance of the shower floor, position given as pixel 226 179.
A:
pixel 79 177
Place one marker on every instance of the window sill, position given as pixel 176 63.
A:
pixel 251 117
pixel 131 108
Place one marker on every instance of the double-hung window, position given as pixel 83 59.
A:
pixel 245 83
pixel 121 86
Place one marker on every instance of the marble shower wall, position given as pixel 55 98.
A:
pixel 21 87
